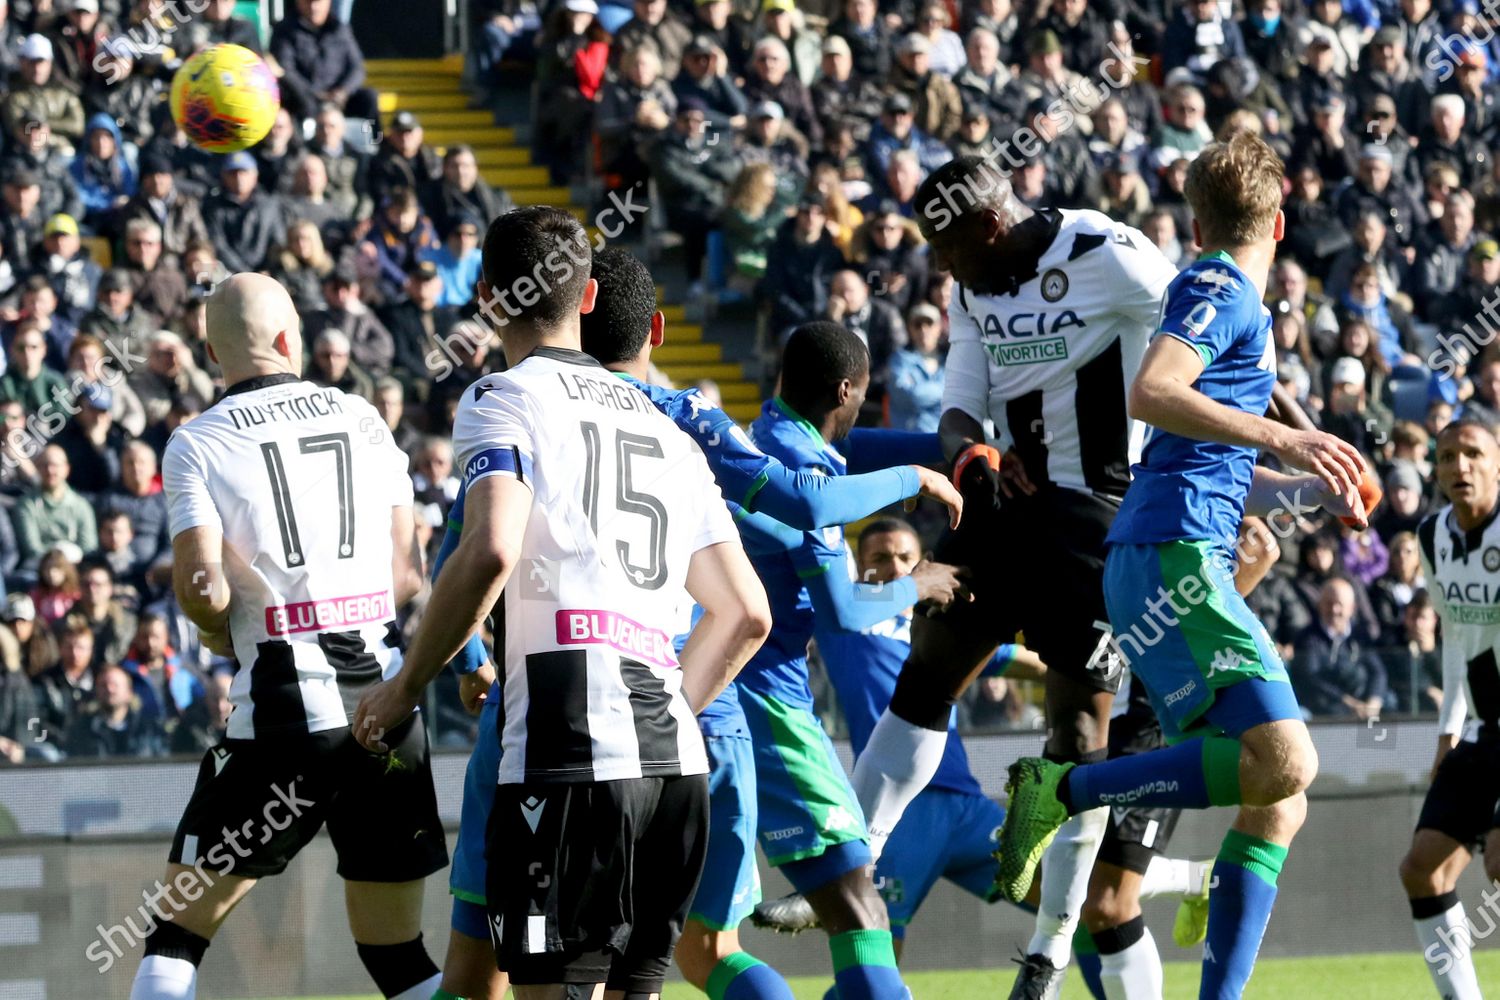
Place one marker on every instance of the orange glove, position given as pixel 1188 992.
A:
pixel 1370 492
pixel 982 453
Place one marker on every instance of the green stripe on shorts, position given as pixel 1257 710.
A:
pixel 1220 641
pixel 818 777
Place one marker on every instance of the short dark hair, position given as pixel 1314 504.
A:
pixel 818 356
pixel 617 328
pixel 885 526
pixel 1454 426
pixel 548 249
pixel 961 188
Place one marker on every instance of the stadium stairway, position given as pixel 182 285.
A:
pixel 432 89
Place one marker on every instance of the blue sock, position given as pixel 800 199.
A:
pixel 1194 774
pixel 864 966
pixel 1086 957
pixel 742 976
pixel 1239 907
pixel 832 994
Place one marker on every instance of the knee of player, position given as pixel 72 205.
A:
pixel 1492 866
pixel 1420 878
pixel 1103 909
pixel 697 953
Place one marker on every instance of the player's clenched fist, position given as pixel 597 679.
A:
pixel 939 584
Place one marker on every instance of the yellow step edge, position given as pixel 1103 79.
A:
pixel 449 65
pixel 512 156
pixel 516 177
pixel 674 313
pixel 685 333
pixel 740 392
pixel 488 137
pixel 555 196
pixel 425 85
pixel 687 374
pixel 443 120
pixel 743 413
pixel 391 100
pixel 685 353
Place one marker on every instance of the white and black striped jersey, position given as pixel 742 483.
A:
pixel 1051 361
pixel 1462 570
pixel 591 688
pixel 300 480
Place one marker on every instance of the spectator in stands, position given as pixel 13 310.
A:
pixel 1198 36
pixel 1317 563
pixel 432 478
pixel 1442 259
pixel 278 153
pixel 1184 132
pixel 87 364
pixel 347 166
pixel 1113 134
pixel 22 221
pixel 226 29
pixel 331 365
pixel 1324 144
pixel 93 442
pixel 390 403
pixel 157 286
pixel 983 78
pixel 140 497
pixel 116 319
pixel 401 236
pixel 896 131
pixel 65 686
pixel 320 63
pixel 169 373
pixel 416 324
pixel 116 548
pixel 204 723
pixel 1414 663
pixel 178 215
pixel 1373 192
pixel 915 378
pixel 52 513
pixel 731 34
pixel 842 220
pixel 800 268
pixel 839 97
pixel 975 135
pixel 39 98
pixel 1124 195
pixel 703 79
pixel 999 704
pixel 1393 591
pixel 780 19
pixel 878 324
pixel 769 138
pixel 20 726
pixel 467 350
pixel 1270 40
pixel 166 689
pixel 1069 168
pixel 634 109
pixel 902 178
pixel 404 159
pixel 38 305
pixel 1405 502
pixel 945 49
pixel 104 171
pixel 27 378
pixel 1390 327
pixel 1444 141
pixel 1160 227
pixel 769 78
pixel 344 311
pixel 750 222
pixel 654 23
pixel 113 626
pixel 127 97
pixel 33 150
pixel 936 105
pixel 114 724
pixel 303 266
pixel 462 191
pixel 892 255
pixel 243 222
pixel 1334 669
pixel 308 200
pixel 868 38
pixel 692 176
pixel 57 588
pixel 457 262
pixel 68 267
pixel 1459 313
pixel 1363 555
pixel 1352 413
pixel 18 473
pixel 571 67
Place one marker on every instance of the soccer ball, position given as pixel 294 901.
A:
pixel 225 99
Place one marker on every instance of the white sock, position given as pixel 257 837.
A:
pixel 1134 973
pixel 1066 868
pixel 1169 877
pixel 897 764
pixel 1447 942
pixel 162 978
pixel 421 991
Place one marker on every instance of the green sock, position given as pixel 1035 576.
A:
pixel 1083 941
pixel 724 973
pixel 1221 771
pixel 1259 857
pixel 443 994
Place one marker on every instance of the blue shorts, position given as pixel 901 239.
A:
pixel 730 886
pixel 942 834
pixel 1190 637
pixel 806 803
pixel 466 877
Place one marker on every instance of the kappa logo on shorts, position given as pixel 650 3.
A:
pixel 1225 661
pixel 839 818
pixel 531 811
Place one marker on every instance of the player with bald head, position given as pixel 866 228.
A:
pixel 293 546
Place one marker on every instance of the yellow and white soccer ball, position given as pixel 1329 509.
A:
pixel 225 99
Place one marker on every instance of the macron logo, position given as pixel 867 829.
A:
pixel 531 811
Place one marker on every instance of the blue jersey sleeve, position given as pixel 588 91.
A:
pixel 473 655
pixel 1001 661
pixel 1202 310
pixel 838 602
pixel 739 467
pixel 870 448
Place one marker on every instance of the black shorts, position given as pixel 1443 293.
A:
pixel 1136 834
pixel 258 802
pixel 1036 568
pixel 1461 801
pixel 591 882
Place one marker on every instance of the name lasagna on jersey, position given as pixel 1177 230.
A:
pixel 1051 363
pixel 1461 572
pixel 300 480
pixel 621 499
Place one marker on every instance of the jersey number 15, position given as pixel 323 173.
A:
pixel 628 500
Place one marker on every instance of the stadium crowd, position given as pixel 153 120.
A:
pixel 783 143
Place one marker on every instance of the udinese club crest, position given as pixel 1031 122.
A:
pixel 1491 559
pixel 1054 285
